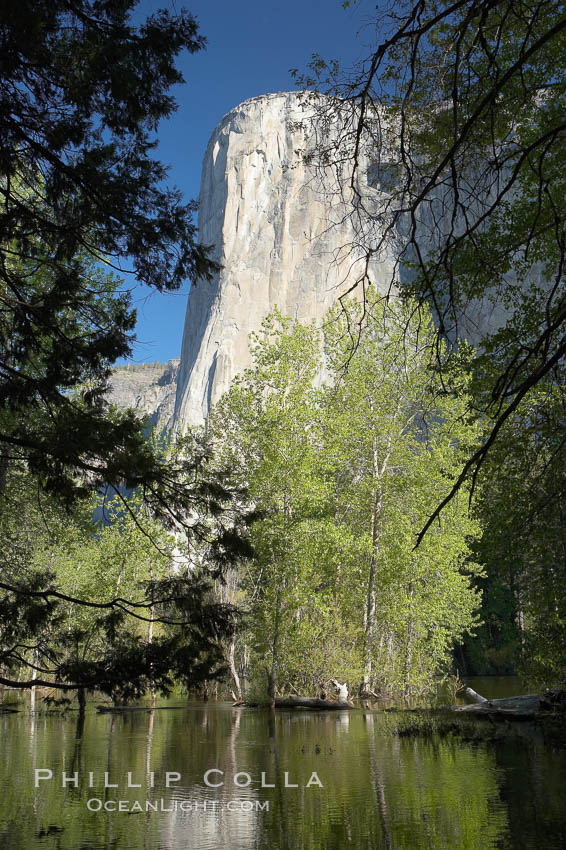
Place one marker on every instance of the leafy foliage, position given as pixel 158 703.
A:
pixel 449 151
pixel 522 547
pixel 116 608
pixel 446 144
pixel 82 90
pixel 343 474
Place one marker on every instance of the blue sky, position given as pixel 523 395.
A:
pixel 251 47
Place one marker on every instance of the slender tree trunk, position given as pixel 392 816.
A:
pixel 272 675
pixel 377 505
pixel 232 667
pixel 81 697
pixel 3 474
pixel 337 524
pixel 369 624
pixel 521 624
pixel 246 662
pixel 275 647
pixel 514 584
pixel 369 618
pixel 34 659
pixel 409 645
pixel 150 635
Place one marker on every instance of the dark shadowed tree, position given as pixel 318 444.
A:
pixel 82 90
pixel 448 148
pixel 83 86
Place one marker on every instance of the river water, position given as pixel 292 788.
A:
pixel 213 777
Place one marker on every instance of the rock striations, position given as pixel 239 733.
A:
pixel 283 237
pixel 148 388
pixel 279 240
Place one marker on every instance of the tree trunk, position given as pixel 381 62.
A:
pixel 81 698
pixel 3 474
pixel 369 624
pixel 232 667
pixel 150 634
pixel 34 659
pixel 272 675
pixel 369 618
pixel 409 646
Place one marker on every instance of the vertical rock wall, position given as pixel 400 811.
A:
pixel 149 389
pixel 279 241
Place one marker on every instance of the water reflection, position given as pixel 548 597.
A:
pixel 379 791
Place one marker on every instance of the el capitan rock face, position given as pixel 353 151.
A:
pixel 279 239
pixel 283 236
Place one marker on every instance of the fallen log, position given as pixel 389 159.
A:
pixel 106 709
pixel 553 699
pixel 475 696
pixel 342 695
pixel 524 706
pixel 313 703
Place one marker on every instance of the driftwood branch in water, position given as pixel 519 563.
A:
pixel 318 703
pixel 523 706
pixel 107 709
pixel 342 691
pixel 312 702
pixel 473 695
pixel 298 701
pixel 528 705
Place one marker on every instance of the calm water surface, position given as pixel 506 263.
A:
pixel 379 790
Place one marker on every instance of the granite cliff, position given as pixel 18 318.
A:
pixel 283 237
pixel 280 237
pixel 148 388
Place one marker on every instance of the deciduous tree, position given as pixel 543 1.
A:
pixel 343 474
pixel 448 147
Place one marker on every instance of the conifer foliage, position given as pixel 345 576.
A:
pixel 83 86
